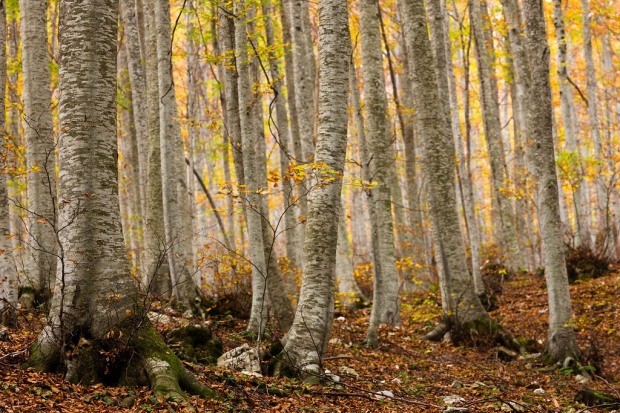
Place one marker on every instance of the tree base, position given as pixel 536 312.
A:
pixel 125 357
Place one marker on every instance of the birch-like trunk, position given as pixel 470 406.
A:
pixel 438 165
pixel 442 51
pixel 386 305
pixel 307 338
pixel 582 230
pixel 39 130
pixel 95 299
pixel 561 340
pixel 138 91
pixel 350 294
pixel 8 277
pixel 604 236
pixel 155 270
pixel 177 213
pixel 492 128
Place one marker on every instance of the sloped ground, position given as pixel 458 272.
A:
pixel 418 374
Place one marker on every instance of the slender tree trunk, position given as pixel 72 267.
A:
pixel 604 237
pixel 442 49
pixel 39 150
pixel 177 223
pixel 138 91
pixel 438 155
pixel 561 341
pixel 155 270
pixel 492 128
pixel 386 306
pixel 95 301
pixel 350 294
pixel 8 277
pixel 307 338
pixel 582 230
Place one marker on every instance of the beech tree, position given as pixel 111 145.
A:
pixel 95 304
pixel 561 342
pixel 307 339
pixel 37 98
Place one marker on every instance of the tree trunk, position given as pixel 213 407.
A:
pixel 442 51
pixel 561 340
pixel 8 277
pixel 386 306
pixel 351 296
pixel 307 338
pixel 438 154
pixel 579 186
pixel 96 305
pixel 177 223
pixel 492 129
pixel 155 270
pixel 40 145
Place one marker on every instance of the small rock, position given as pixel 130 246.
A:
pixel 512 407
pixel 397 380
pixel 341 319
pixel 242 358
pixel 457 384
pixel 335 341
pixel 159 318
pixel 383 394
pixel 452 399
pixel 581 379
pixel 251 373
pixel 128 401
pixel 453 409
pixel 334 377
pixel 539 391
pixel 348 371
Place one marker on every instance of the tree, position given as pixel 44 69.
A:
pixel 177 214
pixel 95 304
pixel 492 128
pixel 37 98
pixel 307 338
pixel 386 305
pixel 458 295
pixel 561 342
pixel 8 277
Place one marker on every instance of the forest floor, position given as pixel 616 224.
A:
pixel 404 374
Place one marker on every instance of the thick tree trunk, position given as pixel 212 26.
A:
pixel 492 129
pixel 307 339
pixel 561 341
pixel 37 98
pixel 96 305
pixel 8 277
pixel 386 305
pixel 438 154
pixel 177 223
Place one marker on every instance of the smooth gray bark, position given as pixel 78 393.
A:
pixel 438 165
pixel 386 305
pixel 307 339
pixel 561 339
pixel 177 223
pixel 37 97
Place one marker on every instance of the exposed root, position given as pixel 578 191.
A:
pixel 437 333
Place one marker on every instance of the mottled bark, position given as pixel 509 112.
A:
pixel 8 277
pixel 350 294
pixel 138 91
pixel 492 128
pixel 95 304
pixel 177 222
pixel 579 188
pixel 155 270
pixel 39 149
pixel 386 306
pixel 442 51
pixel 307 338
pixel 438 165
pixel 561 339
